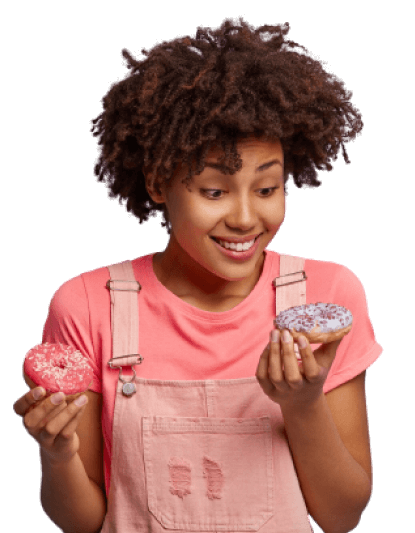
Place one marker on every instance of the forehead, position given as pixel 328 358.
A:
pixel 253 151
pixel 250 147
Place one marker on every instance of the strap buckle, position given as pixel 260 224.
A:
pixel 108 285
pixel 303 278
pixel 128 387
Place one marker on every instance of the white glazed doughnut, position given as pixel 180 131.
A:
pixel 319 322
pixel 57 367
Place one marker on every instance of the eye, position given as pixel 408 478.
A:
pixel 214 193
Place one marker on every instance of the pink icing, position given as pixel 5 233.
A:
pixel 58 367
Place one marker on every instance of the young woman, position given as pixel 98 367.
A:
pixel 202 416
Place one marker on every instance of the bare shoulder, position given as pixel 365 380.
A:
pixel 91 439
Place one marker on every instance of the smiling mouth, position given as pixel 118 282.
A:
pixel 217 240
pixel 239 248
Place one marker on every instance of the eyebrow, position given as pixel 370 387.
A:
pixel 265 166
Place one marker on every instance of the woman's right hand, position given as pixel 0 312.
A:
pixel 52 422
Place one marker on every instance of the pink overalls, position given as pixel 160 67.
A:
pixel 206 455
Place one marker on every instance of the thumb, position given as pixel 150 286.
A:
pixel 326 353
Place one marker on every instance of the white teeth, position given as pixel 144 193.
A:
pixel 239 247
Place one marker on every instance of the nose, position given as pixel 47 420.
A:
pixel 242 213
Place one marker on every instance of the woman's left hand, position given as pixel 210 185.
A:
pixel 290 383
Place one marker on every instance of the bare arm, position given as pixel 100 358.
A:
pixel 70 439
pixel 336 488
pixel 70 498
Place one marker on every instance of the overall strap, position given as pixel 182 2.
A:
pixel 290 285
pixel 124 289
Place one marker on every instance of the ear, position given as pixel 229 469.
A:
pixel 157 196
pixel 156 193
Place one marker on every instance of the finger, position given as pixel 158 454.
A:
pixel 311 370
pixel 262 373
pixel 275 371
pixel 262 368
pixel 36 418
pixel 67 431
pixel 325 354
pixel 27 400
pixel 289 360
pixel 63 420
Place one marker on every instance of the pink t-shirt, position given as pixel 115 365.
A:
pixel 181 342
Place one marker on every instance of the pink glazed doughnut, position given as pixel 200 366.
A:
pixel 320 322
pixel 57 367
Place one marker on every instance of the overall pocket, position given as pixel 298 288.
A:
pixel 209 474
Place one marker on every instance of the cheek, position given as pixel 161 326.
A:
pixel 274 213
pixel 191 217
pixel 205 216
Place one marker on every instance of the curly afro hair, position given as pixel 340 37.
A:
pixel 216 89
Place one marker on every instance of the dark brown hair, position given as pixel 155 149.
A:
pixel 219 87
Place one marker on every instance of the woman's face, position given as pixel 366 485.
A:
pixel 249 203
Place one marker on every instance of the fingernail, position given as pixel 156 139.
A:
pixel 286 337
pixel 275 335
pixel 57 398
pixel 302 342
pixel 38 393
pixel 81 400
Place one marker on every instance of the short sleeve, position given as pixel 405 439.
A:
pixel 358 349
pixel 68 322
